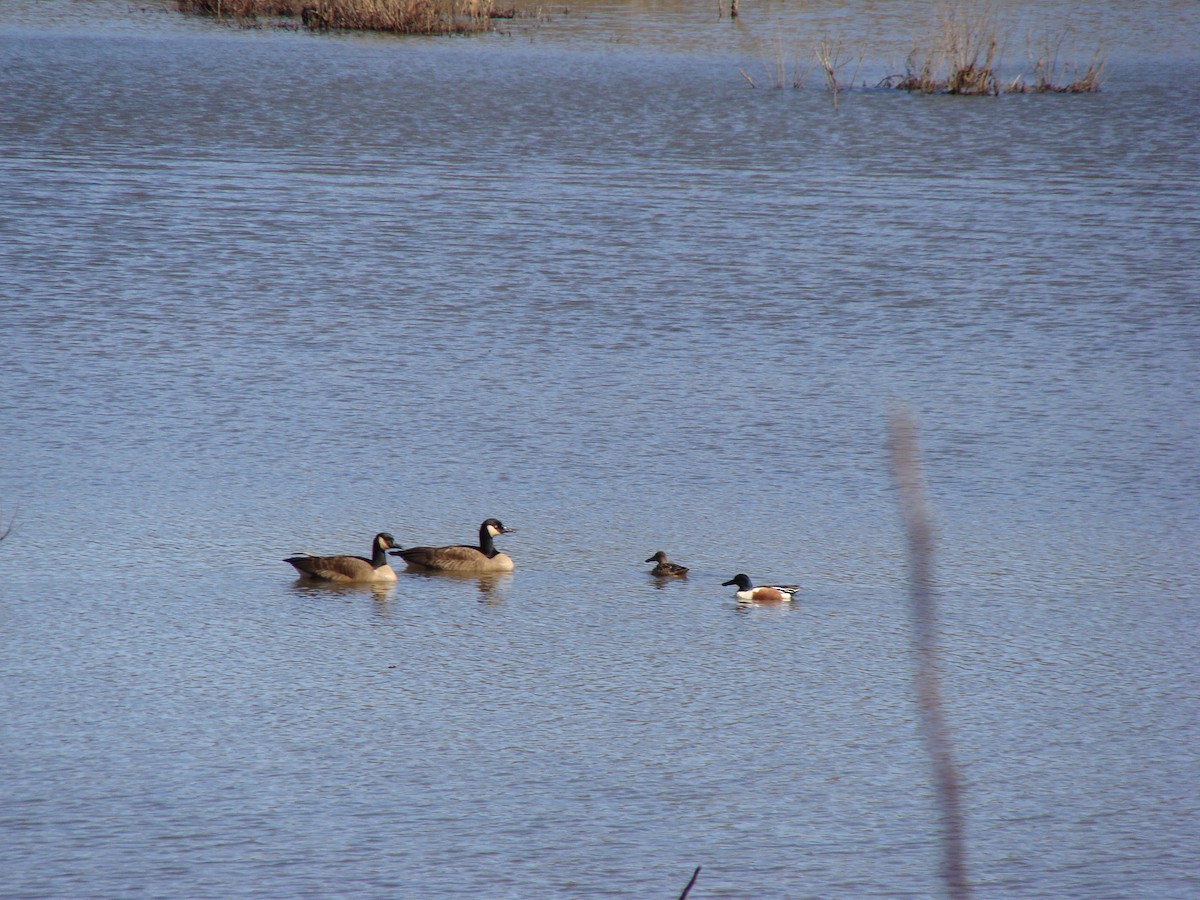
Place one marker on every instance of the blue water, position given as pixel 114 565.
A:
pixel 263 293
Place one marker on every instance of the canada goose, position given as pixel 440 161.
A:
pixel 462 557
pixel 350 568
pixel 748 593
pixel 666 569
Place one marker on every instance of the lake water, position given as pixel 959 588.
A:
pixel 263 292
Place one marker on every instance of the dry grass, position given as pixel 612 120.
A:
pixel 779 71
pixel 395 16
pixel 830 54
pixel 961 57
pixel 1051 75
pixel 400 16
pixel 1088 81
pixel 241 10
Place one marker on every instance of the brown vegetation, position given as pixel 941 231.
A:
pixel 958 59
pixel 961 58
pixel 396 16
pixel 1048 73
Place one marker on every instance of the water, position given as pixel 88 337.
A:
pixel 262 292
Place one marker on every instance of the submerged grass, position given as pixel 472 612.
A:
pixel 394 16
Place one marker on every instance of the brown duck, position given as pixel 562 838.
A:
pixel 666 569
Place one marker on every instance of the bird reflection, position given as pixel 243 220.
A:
pixel 763 609
pixel 377 590
pixel 490 584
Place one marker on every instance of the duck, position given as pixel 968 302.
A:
pixel 748 593
pixel 462 558
pixel 350 568
pixel 666 569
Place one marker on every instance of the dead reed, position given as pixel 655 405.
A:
pixel 242 10
pixel 1052 75
pixel 394 16
pixel 830 54
pixel 958 59
pixel 833 57
pixel 962 56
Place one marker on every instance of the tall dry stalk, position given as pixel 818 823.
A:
pixel 780 65
pixel 906 470
pixel 832 57
pixel 779 71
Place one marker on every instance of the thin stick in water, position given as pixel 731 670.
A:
pixel 906 469
pixel 687 890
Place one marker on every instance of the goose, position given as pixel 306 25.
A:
pixel 748 593
pixel 666 569
pixel 462 557
pixel 350 568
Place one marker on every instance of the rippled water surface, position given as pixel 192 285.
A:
pixel 263 292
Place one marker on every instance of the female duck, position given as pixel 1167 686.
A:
pixel 350 568
pixel 666 569
pixel 748 593
pixel 463 557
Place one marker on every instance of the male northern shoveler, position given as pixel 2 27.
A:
pixel 748 593
pixel 666 569
pixel 462 557
pixel 350 568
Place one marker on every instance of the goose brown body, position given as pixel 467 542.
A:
pixel 665 568
pixel 462 558
pixel 350 568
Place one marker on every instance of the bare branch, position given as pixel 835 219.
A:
pixel 687 890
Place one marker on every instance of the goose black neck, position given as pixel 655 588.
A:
pixel 486 547
pixel 378 554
